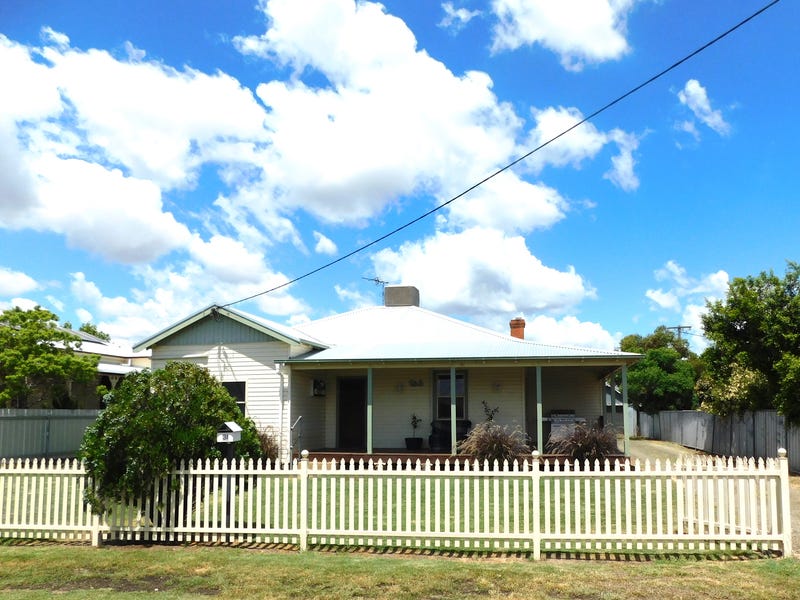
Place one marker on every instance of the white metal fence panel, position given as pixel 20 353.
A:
pixel 703 504
pixel 35 433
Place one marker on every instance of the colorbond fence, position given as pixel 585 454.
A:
pixel 759 433
pixel 534 506
pixel 43 433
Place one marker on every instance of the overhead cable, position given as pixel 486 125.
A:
pixel 516 161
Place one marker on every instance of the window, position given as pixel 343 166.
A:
pixel 237 390
pixel 442 395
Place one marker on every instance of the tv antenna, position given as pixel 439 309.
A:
pixel 380 282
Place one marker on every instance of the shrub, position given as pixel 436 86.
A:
pixel 585 443
pixel 493 442
pixel 270 444
pixel 153 420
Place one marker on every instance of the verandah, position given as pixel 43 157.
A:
pixel 699 505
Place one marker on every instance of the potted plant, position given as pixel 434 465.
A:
pixel 414 442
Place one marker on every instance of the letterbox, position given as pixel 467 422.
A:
pixel 228 433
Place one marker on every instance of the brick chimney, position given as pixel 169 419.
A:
pixel 518 328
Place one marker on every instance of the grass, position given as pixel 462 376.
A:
pixel 40 570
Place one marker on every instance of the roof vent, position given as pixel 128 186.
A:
pixel 400 295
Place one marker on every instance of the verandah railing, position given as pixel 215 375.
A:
pixel 533 506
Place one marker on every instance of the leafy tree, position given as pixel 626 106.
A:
pixel 665 377
pixel 755 335
pixel 153 420
pixel 92 329
pixel 38 360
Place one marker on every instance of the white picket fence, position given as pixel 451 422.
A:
pixel 704 504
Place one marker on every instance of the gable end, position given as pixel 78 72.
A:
pixel 216 329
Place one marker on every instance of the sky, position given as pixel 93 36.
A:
pixel 159 157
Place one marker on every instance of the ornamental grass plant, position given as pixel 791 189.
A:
pixel 491 442
pixel 584 443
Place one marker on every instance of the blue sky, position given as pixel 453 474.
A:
pixel 157 157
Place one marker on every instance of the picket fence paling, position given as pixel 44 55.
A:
pixel 530 505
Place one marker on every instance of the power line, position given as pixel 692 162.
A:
pixel 516 161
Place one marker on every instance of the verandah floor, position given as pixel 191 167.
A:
pixel 403 455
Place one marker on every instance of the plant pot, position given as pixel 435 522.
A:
pixel 413 443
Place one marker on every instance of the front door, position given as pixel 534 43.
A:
pixel 352 414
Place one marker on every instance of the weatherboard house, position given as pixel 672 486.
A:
pixel 351 382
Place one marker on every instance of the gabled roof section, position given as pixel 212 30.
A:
pixel 404 333
pixel 269 328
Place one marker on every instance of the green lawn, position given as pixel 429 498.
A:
pixel 40 570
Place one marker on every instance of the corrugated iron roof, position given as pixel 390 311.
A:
pixel 382 333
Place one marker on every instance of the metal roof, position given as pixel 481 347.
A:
pixel 406 333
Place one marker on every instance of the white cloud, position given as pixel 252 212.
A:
pixel 92 166
pixel 134 54
pixel 159 122
pixel 509 204
pixel 49 36
pixel 569 331
pixel 17 193
pixel 621 172
pixel 324 244
pixel 456 19
pixel 481 273
pixel 579 31
pixel 580 144
pixel 84 315
pixel 354 298
pixel 666 300
pixel 694 96
pixel 172 293
pixel 228 260
pixel 23 303
pixel 103 211
pixel 672 271
pixel 56 303
pixel 13 283
pixel 688 295
pixel 391 121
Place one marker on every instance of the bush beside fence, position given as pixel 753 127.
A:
pixel 533 507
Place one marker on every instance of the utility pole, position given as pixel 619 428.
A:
pixel 680 328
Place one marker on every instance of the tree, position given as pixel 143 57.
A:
pixel 154 420
pixel 92 329
pixel 665 377
pixel 755 335
pixel 38 361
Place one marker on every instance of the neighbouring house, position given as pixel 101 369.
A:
pixel 352 381
pixel 115 361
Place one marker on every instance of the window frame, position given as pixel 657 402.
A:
pixel 241 400
pixel 438 399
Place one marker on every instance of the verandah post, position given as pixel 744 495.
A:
pixel 786 516
pixel 304 501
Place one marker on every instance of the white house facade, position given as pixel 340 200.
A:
pixel 351 382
